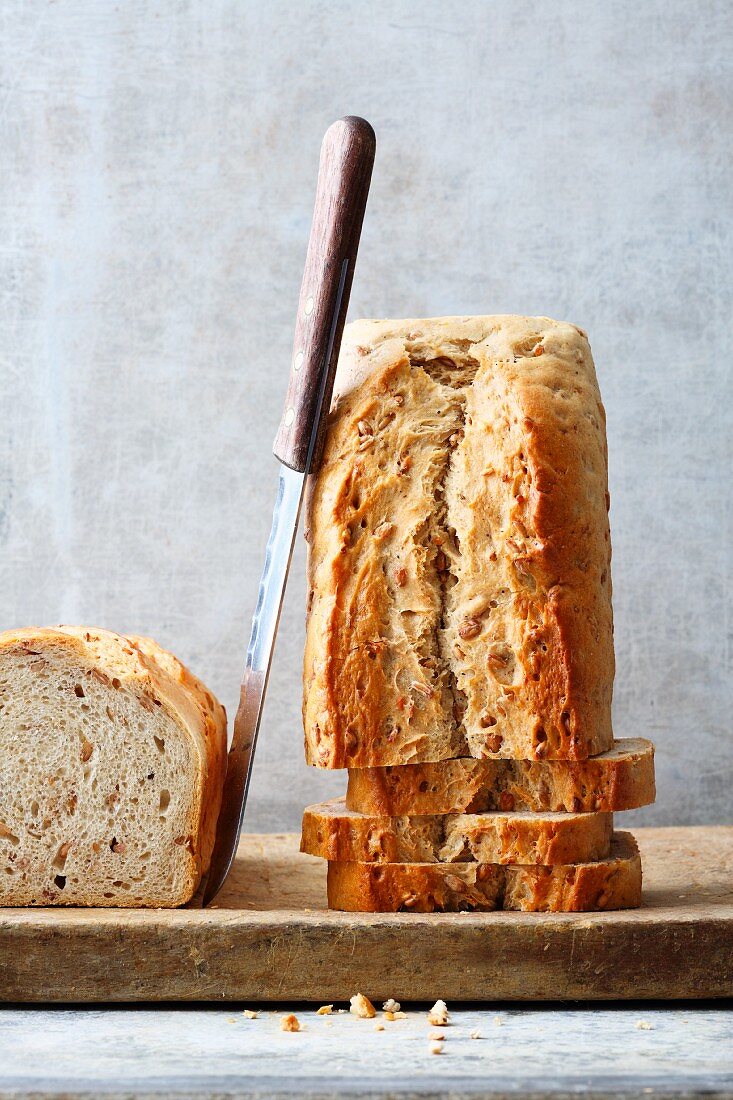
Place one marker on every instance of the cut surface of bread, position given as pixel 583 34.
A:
pixel 335 833
pixel 112 760
pixel 459 548
pixel 612 883
pixel 620 779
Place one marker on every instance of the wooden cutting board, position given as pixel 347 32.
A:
pixel 271 939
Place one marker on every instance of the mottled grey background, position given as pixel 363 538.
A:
pixel 157 169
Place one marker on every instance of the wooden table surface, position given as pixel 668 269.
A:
pixel 271 937
pixel 644 1049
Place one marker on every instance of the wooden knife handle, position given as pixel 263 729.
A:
pixel 345 170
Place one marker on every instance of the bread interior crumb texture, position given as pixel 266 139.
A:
pixel 100 786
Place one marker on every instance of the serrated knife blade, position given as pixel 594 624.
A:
pixel 347 157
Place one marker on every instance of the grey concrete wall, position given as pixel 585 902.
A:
pixel 157 167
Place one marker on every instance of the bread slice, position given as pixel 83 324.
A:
pixel 459 565
pixel 335 833
pixel 112 760
pixel 612 883
pixel 620 779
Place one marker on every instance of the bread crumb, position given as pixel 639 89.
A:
pixel 249 1014
pixel 475 1035
pixel 438 1015
pixel 289 1023
pixel 391 1005
pixel 437 1036
pixel 436 1048
pixel 498 1022
pixel 644 1025
pixel 395 1015
pixel 324 1010
pixel 379 1027
pixel 362 1007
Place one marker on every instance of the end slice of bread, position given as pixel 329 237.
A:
pixel 335 833
pixel 112 762
pixel 611 883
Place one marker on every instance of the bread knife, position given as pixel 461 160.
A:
pixel 344 174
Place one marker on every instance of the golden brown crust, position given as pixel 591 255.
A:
pixel 613 883
pixel 205 718
pixel 621 779
pixel 158 679
pixel 459 548
pixel 335 833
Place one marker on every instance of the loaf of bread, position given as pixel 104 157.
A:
pixel 112 761
pixel 459 562
pixel 335 833
pixel 611 883
pixel 621 779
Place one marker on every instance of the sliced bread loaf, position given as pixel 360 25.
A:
pixel 335 833
pixel 611 883
pixel 112 760
pixel 620 779
pixel 459 566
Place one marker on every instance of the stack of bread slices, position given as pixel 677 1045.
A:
pixel 459 656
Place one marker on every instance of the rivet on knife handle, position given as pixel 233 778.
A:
pixel 347 157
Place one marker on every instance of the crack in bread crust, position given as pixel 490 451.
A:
pixel 456 374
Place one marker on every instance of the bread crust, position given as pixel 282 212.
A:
pixel 612 883
pixel 157 679
pixel 459 548
pixel 621 779
pixel 335 833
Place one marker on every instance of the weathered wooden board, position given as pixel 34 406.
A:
pixel 270 938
